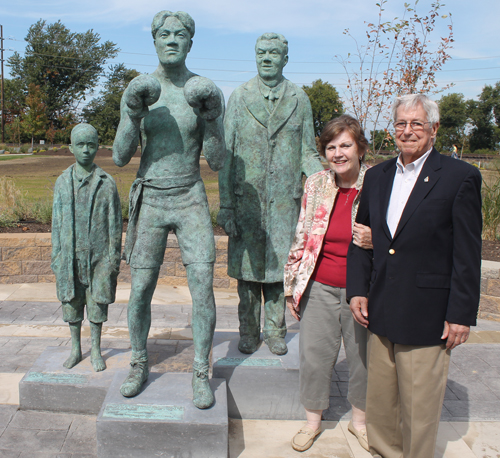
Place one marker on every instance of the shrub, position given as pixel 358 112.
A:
pixel 214 211
pixel 123 194
pixel 10 197
pixel 14 206
pixel 491 208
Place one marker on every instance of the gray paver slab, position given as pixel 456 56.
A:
pixel 473 411
pixel 261 385
pixel 33 441
pixel 41 421
pixel 9 454
pixel 49 386
pixel 162 420
pixel 81 437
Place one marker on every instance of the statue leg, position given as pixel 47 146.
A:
pixel 274 318
pixel 139 321
pixel 200 280
pixel 249 315
pixel 95 353
pixel 76 346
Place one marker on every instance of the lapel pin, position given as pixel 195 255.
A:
pixel 426 179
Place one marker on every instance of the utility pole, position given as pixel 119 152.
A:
pixel 1 89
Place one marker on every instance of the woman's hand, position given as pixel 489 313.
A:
pixel 289 304
pixel 362 236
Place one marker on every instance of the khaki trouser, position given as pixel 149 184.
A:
pixel 325 319
pixel 406 385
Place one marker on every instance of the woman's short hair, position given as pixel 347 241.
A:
pixel 337 126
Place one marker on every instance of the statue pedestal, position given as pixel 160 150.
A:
pixel 162 420
pixel 51 387
pixel 261 385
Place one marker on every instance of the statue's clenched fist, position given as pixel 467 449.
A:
pixel 143 91
pixel 203 94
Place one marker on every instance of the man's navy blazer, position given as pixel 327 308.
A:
pixel 429 271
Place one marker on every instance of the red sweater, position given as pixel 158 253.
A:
pixel 331 265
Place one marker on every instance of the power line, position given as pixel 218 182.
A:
pixel 237 71
pixel 291 62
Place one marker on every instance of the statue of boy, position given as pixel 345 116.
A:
pixel 175 115
pixel 270 142
pixel 86 243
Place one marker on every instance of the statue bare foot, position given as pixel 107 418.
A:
pixel 97 362
pixel 74 358
pixel 138 374
pixel 203 398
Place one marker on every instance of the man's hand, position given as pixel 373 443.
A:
pixel 362 236
pixel 295 312
pixel 142 92
pixel 455 334
pixel 226 220
pixel 359 309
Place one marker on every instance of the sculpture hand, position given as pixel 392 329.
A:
pixel 142 92
pixel 203 94
pixel 226 220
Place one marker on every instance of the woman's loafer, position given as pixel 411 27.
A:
pixel 360 435
pixel 304 438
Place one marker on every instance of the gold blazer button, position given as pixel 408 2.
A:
pixel 392 251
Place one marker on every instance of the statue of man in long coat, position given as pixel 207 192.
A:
pixel 270 144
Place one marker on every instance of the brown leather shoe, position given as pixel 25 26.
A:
pixel 360 435
pixel 305 438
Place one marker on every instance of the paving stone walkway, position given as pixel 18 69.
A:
pixel 30 321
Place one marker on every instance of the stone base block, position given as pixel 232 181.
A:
pixel 261 385
pixel 49 386
pixel 162 420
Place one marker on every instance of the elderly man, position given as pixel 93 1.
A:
pixel 270 142
pixel 418 290
pixel 168 193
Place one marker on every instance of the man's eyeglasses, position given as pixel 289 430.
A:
pixel 416 126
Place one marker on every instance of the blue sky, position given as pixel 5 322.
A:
pixel 226 31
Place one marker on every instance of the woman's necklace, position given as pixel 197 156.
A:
pixel 346 194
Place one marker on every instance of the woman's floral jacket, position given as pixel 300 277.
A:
pixel 317 203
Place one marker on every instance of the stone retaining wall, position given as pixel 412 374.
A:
pixel 489 306
pixel 25 258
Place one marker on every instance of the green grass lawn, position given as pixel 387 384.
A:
pixel 8 157
pixel 34 178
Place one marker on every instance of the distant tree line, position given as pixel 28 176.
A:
pixel 61 69
pixel 58 71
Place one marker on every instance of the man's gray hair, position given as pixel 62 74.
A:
pixel 412 100
pixel 184 18
pixel 274 36
pixel 85 127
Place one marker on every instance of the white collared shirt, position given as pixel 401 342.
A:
pixel 404 182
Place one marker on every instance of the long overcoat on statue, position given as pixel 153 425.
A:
pixel 262 177
pixel 104 234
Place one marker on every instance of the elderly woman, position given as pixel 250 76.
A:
pixel 315 279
